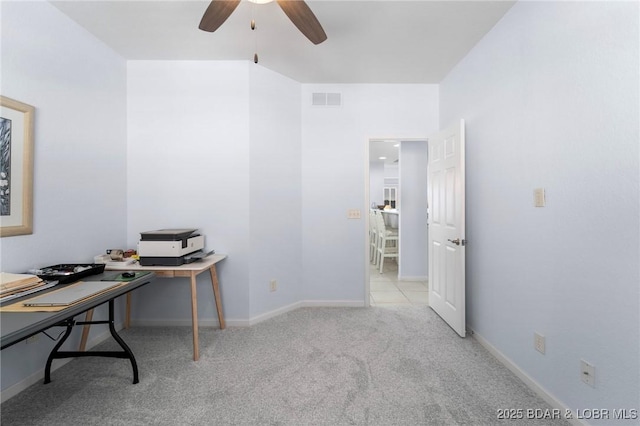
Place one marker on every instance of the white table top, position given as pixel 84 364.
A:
pixel 194 266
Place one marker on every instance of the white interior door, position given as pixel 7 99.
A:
pixel 447 226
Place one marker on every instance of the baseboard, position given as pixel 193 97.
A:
pixel 174 322
pixel 231 322
pixel 332 303
pixel 38 376
pixel 274 313
pixel 530 382
pixel 307 304
pixel 417 278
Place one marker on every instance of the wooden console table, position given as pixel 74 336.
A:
pixel 190 270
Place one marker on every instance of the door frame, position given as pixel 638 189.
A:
pixel 367 206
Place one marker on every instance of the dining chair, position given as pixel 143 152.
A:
pixel 385 236
pixel 373 237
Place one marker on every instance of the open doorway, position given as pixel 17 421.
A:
pixel 397 194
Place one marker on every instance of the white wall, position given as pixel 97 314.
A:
pixel 225 137
pixel 240 177
pixel 413 213
pixel 188 166
pixel 275 191
pixel 334 263
pixel 550 99
pixel 78 87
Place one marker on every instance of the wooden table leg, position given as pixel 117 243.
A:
pixel 85 330
pixel 216 295
pixel 194 316
pixel 127 312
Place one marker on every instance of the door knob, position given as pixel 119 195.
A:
pixel 456 241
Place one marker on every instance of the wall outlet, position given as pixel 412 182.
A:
pixel 273 285
pixel 538 342
pixel 587 373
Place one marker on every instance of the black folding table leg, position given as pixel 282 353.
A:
pixel 125 353
pixel 121 342
pixel 54 351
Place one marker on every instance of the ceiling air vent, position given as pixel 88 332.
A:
pixel 326 99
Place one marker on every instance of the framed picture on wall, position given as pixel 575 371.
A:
pixel 16 167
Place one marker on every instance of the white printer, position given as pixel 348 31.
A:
pixel 169 247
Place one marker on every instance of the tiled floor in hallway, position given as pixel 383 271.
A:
pixel 385 288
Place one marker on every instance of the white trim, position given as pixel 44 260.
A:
pixel 522 375
pixel 367 225
pixel 212 322
pixel 367 206
pixel 23 384
pixel 418 278
pixel 307 304
pixel 274 313
pixel 38 376
pixel 332 303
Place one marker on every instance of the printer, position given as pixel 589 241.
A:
pixel 170 247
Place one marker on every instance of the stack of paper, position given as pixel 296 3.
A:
pixel 17 283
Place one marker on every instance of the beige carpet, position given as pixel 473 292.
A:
pixel 315 366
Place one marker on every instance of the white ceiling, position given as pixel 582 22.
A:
pixel 390 41
pixel 368 41
pixel 384 148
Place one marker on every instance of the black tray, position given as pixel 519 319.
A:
pixel 70 272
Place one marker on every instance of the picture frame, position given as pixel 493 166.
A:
pixel 16 167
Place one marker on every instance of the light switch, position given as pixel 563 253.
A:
pixel 353 213
pixel 538 197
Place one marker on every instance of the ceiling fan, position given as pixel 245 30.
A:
pixel 297 10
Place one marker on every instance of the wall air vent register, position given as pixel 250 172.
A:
pixel 326 99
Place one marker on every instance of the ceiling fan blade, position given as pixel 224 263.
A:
pixel 302 17
pixel 217 12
